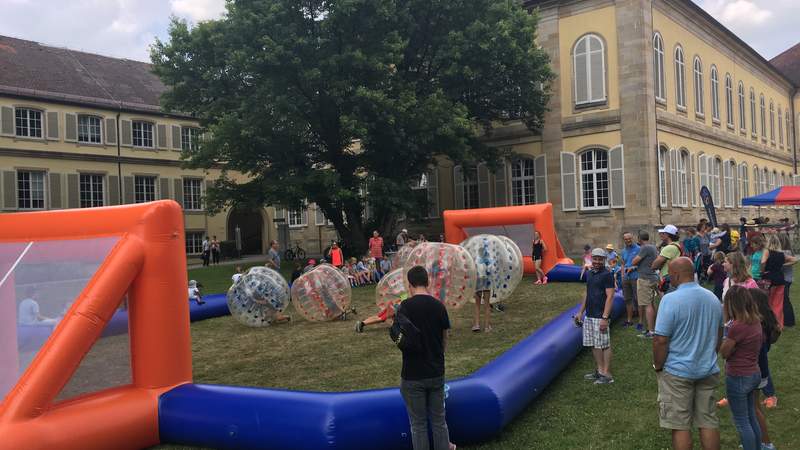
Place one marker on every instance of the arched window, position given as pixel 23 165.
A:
pixel 764 180
pixel 772 122
pixel 699 106
pixel 594 179
pixel 742 119
pixel 756 180
pixel 782 180
pixel 683 164
pixel 716 182
pixel 773 181
pixel 680 78
pixel 753 127
pixel 662 176
pixel 763 119
pixel 714 93
pixel 744 183
pixel 780 127
pixel 728 186
pixel 658 68
pixel 523 182
pixel 729 99
pixel 589 67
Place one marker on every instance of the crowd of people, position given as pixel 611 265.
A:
pixel 748 270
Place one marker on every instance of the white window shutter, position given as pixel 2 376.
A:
pixel 616 166
pixel 597 73
pixel 500 185
pixel 737 195
pixel 568 183
pixel 703 171
pixel 693 180
pixel 458 180
pixel 484 198
pixel 540 178
pixel 673 176
pixel 581 78
pixel 319 216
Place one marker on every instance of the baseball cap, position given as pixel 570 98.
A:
pixel 404 230
pixel 669 229
pixel 599 252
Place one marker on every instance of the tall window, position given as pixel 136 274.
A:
pixel 594 179
pixel 142 134
pixel 523 186
pixel 194 242
pixel 189 137
pixel 680 78
pixel 716 184
pixel 429 182
pixel 144 189
pixel 297 217
pixel 89 129
pixel 658 66
pixel 192 194
pixel 764 180
pixel 662 176
pixel 471 189
pixel 714 93
pixel 30 189
pixel 780 127
pixel 91 190
pixel 744 183
pixel 28 122
pixel 753 127
pixel 756 181
pixel 763 120
pixel 729 99
pixel 699 106
pixel 589 68
pixel 772 122
pixel 681 165
pixel 742 119
pixel 728 187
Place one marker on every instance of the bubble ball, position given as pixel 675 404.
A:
pixel 258 297
pixel 321 294
pixel 498 262
pixel 451 271
pixel 402 254
pixel 391 290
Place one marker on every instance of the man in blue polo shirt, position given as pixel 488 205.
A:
pixel 687 338
pixel 597 303
pixel 630 275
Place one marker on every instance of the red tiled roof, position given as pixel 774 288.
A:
pixel 788 63
pixel 34 70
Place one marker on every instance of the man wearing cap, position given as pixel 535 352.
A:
pixel 669 251
pixel 597 304
pixel 401 239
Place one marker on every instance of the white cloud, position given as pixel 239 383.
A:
pixel 738 13
pixel 198 10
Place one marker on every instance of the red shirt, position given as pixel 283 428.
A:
pixel 376 247
pixel 744 359
pixel 336 257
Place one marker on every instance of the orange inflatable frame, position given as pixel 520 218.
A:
pixel 539 217
pixel 149 263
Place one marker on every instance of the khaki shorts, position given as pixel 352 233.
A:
pixel 629 290
pixel 646 292
pixel 684 404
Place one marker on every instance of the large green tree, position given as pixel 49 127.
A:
pixel 343 102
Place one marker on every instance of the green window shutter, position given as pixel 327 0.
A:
pixel 52 125
pixel 55 190
pixel 126 133
pixel 162 136
pixel 111 131
pixel 178 183
pixel 7 120
pixel 113 190
pixel 165 189
pixel 127 190
pixel 176 137
pixel 70 127
pixel 10 190
pixel 72 191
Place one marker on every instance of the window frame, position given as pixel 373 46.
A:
pixel 143 134
pixel 763 106
pixel 728 188
pixel 744 183
pixel 595 172
pixel 189 138
pixel 197 205
pixel 196 243
pixel 753 115
pixel 89 128
pixel 590 101
pixel 715 116
pixel 780 126
pixel 699 93
pixel 658 68
pixel 432 191
pixel 663 156
pixel 680 78
pixel 715 178
pixel 527 192
pixel 772 122
pixel 28 120
pixel 684 160
pixel 30 189
pixel 94 196
pixel 138 189
pixel 742 108
pixel 729 109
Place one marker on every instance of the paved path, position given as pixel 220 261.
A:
pixel 231 262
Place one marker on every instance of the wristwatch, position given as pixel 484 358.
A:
pixel 604 317
pixel 657 369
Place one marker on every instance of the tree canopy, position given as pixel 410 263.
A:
pixel 343 102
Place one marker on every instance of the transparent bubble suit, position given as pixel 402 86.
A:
pixel 451 271
pixel 321 294
pixel 258 297
pixel 391 290
pixel 498 263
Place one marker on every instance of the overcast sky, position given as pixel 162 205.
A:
pixel 125 28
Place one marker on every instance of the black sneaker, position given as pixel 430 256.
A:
pixel 359 327
pixel 604 380
pixel 592 376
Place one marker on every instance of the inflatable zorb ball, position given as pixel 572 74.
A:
pixel 402 255
pixel 258 297
pixel 498 263
pixel 321 294
pixel 451 271
pixel 391 290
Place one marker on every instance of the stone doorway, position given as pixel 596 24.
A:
pixel 251 225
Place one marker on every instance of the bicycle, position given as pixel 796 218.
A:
pixel 297 252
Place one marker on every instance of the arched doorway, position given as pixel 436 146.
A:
pixel 251 225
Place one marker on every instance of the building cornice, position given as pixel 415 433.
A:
pixel 67 156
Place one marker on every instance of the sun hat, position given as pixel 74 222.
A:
pixel 669 229
pixel 610 247
pixel 599 252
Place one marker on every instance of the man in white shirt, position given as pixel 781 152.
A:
pixel 29 313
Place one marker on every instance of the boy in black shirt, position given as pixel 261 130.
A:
pixel 597 303
pixel 422 384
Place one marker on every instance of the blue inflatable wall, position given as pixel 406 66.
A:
pixel 478 406
pixel 564 272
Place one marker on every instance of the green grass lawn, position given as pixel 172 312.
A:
pixel 570 414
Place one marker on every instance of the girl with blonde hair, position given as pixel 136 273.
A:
pixel 738 273
pixel 773 261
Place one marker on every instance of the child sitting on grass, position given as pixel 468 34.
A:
pixel 194 292
pixel 349 272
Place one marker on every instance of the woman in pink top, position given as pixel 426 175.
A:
pixel 376 247
pixel 738 273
